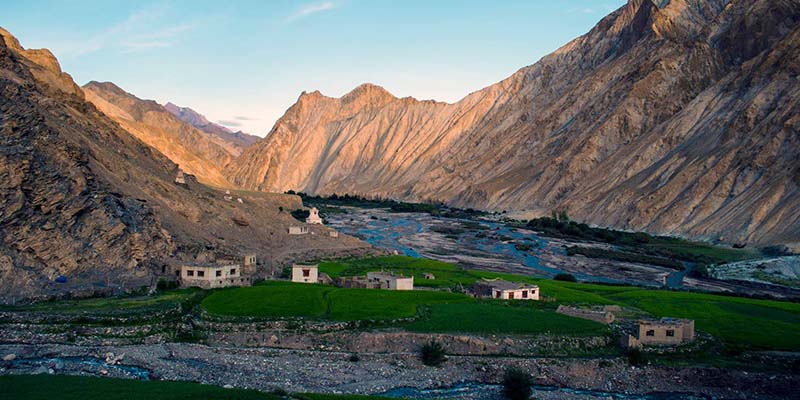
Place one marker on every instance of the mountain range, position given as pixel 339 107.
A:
pixel 670 116
pixel 673 116
pixel 88 196
pixel 239 139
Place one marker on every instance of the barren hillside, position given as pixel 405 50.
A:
pixel 82 198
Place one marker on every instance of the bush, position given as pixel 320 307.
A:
pixel 433 353
pixel 565 278
pixel 300 214
pixel 166 284
pixel 354 358
pixel 635 357
pixel 517 384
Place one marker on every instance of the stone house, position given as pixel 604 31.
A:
pixel 298 230
pixel 313 217
pixel 249 263
pixel 500 289
pixel 210 276
pixel 333 234
pixel 662 332
pixel 303 273
pixel 390 281
pixel 377 280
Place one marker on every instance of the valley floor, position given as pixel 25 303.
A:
pixel 376 373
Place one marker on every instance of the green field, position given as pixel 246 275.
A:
pixel 270 299
pixel 49 387
pixel 497 317
pixel 116 305
pixel 761 324
pixel 436 311
pixel 446 274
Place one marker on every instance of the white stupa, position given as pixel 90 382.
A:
pixel 313 217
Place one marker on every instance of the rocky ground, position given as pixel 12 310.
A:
pixel 333 372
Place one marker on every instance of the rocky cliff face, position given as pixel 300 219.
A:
pixel 82 198
pixel 196 152
pixel 675 116
pixel 237 141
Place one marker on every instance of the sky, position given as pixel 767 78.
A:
pixel 243 63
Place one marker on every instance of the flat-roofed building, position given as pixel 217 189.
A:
pixel 500 289
pixel 210 276
pixel 249 264
pixel 661 332
pixel 298 230
pixel 390 281
pixel 305 273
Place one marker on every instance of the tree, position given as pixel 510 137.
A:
pixel 517 384
pixel 565 277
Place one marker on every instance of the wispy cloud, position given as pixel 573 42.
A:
pixel 309 9
pixel 243 118
pixel 143 29
pixel 229 123
pixel 597 9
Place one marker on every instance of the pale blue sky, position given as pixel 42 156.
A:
pixel 245 62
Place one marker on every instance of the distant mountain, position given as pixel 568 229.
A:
pixel 83 199
pixel 197 152
pixel 239 139
pixel 676 117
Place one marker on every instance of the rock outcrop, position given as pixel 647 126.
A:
pixel 237 141
pixel 675 117
pixel 86 206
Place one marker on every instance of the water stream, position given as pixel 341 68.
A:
pixel 475 390
pixel 414 235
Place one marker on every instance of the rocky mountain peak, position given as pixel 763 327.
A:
pixel 44 65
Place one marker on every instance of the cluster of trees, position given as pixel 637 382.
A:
pixel 594 252
pixel 434 208
pixel 637 246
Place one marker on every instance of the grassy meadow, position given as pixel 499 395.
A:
pixel 735 320
pixel 63 387
pixel 436 311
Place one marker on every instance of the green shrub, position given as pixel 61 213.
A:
pixel 300 215
pixel 565 277
pixel 635 357
pixel 517 384
pixel 166 284
pixel 433 353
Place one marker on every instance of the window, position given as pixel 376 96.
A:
pixel 650 333
pixel 524 294
pixel 497 294
pixel 219 273
pixel 201 273
pixel 178 273
pixel 510 295
pixel 189 272
pixel 233 271
pixel 306 273
pixel 670 332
